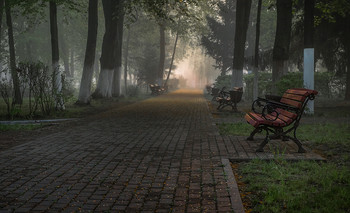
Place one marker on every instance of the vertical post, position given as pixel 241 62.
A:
pixel 309 59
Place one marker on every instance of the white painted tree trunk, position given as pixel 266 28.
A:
pixel 116 87
pixel 237 78
pixel 85 85
pixel 309 75
pixel 57 75
pixel 104 85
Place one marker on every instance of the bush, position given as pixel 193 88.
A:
pixel 291 80
pixel 223 81
pixel 264 79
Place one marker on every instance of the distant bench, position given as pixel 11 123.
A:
pixel 230 98
pixel 157 90
pixel 279 117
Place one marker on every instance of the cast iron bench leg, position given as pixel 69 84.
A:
pixel 251 136
pixel 263 144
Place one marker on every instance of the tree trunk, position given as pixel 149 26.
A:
pixel 1 14
pixel 346 43
pixel 65 56
pixel 116 87
pixel 88 70
pixel 15 79
pixel 172 59
pixel 347 88
pixel 97 67
pixel 309 58
pixel 161 54
pixel 2 7
pixel 282 41
pixel 256 58
pixel 242 17
pixel 126 55
pixel 72 67
pixel 57 75
pixel 107 60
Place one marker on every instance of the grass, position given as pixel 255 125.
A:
pixel 329 134
pixel 71 111
pixel 304 186
pixel 18 127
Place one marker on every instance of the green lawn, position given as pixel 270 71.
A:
pixel 18 127
pixel 304 186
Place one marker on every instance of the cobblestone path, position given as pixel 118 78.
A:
pixel 158 155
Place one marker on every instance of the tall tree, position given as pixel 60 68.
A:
pixel 90 52
pixel 14 74
pixel 116 86
pixel 282 40
pixel 2 2
pixel 172 59
pixel 65 54
pixel 105 80
pixel 126 60
pixel 256 57
pixel 57 75
pixel 346 42
pixel 242 20
pixel 218 41
pixel 309 58
pixel 161 53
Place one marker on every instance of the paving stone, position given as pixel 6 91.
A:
pixel 156 155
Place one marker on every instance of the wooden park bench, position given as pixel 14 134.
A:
pixel 279 118
pixel 156 89
pixel 230 98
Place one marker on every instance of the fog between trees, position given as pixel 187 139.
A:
pixel 112 48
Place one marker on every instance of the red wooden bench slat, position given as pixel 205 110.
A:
pixel 300 98
pixel 286 113
pixel 302 91
pixel 291 102
pixel 255 120
pixel 286 119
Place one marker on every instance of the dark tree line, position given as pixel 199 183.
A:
pixel 329 37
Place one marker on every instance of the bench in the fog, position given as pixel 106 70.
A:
pixel 229 98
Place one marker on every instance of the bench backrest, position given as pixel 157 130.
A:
pixel 236 96
pixel 298 97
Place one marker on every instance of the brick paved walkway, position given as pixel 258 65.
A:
pixel 159 155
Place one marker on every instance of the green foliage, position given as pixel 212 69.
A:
pixel 305 186
pixel 330 9
pixel 291 80
pixel 218 42
pixel 264 80
pixel 328 85
pixel 223 81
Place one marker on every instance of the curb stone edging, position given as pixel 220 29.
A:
pixel 235 197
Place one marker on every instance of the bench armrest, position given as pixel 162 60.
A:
pixel 268 107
